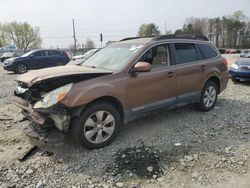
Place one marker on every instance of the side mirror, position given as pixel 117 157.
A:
pixel 142 67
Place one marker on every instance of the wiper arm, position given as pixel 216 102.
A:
pixel 91 66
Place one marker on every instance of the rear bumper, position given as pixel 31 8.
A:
pixel 240 74
pixel 224 81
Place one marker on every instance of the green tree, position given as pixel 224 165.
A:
pixel 239 15
pixel 148 30
pixel 23 35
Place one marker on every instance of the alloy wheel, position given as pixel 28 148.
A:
pixel 22 68
pixel 99 127
pixel 209 96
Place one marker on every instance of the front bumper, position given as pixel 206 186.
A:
pixel 56 115
pixel 239 74
pixel 8 67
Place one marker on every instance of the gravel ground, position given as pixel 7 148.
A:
pixel 177 148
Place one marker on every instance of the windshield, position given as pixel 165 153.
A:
pixel 114 57
pixel 89 53
pixel 27 54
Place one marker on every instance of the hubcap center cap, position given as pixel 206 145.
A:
pixel 99 125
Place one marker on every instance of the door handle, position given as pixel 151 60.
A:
pixel 170 74
pixel 203 67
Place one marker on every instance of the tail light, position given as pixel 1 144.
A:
pixel 66 54
pixel 225 62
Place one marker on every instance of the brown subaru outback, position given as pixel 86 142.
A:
pixel 120 83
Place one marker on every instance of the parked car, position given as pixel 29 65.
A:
pixel 245 52
pixel 120 83
pixel 7 55
pixel 79 59
pixel 240 70
pixel 36 59
pixel 231 51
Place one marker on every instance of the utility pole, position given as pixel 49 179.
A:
pixel 74 36
pixel 165 23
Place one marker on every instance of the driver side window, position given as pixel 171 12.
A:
pixel 158 56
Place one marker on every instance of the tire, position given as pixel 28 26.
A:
pixel 95 134
pixel 21 68
pixel 59 64
pixel 235 80
pixel 208 96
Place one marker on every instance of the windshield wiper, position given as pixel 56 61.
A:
pixel 91 66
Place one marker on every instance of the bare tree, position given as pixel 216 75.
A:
pixel 89 44
pixel 231 31
pixel 23 35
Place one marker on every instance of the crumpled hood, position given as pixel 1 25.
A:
pixel 32 77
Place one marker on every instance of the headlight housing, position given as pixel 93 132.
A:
pixel 8 61
pixel 53 97
pixel 234 66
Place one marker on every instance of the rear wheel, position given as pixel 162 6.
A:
pixel 59 64
pixel 97 126
pixel 208 96
pixel 21 68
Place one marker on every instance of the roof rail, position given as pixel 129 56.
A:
pixel 131 38
pixel 182 36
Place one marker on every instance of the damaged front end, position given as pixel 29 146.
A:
pixel 40 95
pixel 44 109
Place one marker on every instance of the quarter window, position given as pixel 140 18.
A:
pixel 185 53
pixel 207 51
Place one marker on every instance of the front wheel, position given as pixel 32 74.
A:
pixel 97 126
pixel 208 97
pixel 21 68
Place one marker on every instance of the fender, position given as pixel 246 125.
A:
pixel 82 94
pixel 209 73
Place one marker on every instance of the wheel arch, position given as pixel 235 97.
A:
pixel 216 80
pixel 109 99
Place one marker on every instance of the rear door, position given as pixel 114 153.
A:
pixel 55 58
pixel 188 72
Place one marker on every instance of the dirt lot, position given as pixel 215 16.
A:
pixel 178 148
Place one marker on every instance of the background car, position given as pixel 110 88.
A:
pixel 240 70
pixel 77 60
pixel 7 55
pixel 230 51
pixel 243 53
pixel 36 59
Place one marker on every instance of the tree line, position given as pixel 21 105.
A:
pixel 232 31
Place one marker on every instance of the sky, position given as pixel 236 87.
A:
pixel 115 19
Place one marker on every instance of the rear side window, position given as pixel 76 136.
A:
pixel 39 54
pixel 207 51
pixel 53 52
pixel 185 53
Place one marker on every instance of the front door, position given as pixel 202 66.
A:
pixel 147 91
